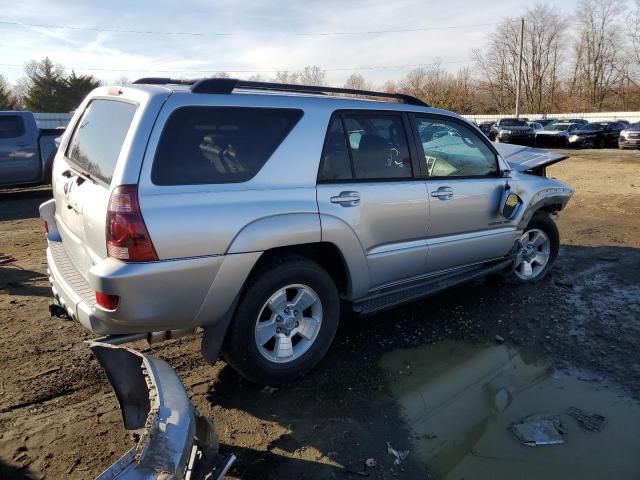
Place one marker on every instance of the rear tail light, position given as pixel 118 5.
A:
pixel 46 227
pixel 127 236
pixel 106 301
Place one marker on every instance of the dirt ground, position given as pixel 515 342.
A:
pixel 59 418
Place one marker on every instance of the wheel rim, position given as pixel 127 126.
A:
pixel 533 256
pixel 288 323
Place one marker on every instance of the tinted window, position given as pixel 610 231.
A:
pixel 335 164
pixel 454 150
pixel 378 146
pixel 202 145
pixel 591 127
pixel 11 126
pixel 635 126
pixel 512 122
pixel 99 135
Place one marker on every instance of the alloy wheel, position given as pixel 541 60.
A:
pixel 288 323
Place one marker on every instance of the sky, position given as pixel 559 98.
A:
pixel 193 38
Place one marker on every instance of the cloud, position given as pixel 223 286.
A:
pixel 268 36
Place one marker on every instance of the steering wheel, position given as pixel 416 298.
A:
pixel 468 142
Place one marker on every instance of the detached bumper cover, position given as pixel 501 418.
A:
pixel 176 441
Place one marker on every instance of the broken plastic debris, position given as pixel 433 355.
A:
pixel 540 429
pixel 399 455
pixel 589 421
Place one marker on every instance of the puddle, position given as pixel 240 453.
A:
pixel 460 401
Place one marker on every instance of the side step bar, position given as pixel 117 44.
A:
pixel 392 297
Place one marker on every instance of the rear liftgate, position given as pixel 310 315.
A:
pixel 176 442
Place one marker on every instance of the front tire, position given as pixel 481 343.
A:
pixel 540 243
pixel 285 322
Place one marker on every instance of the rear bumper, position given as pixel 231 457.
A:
pixel 154 296
pixel 176 441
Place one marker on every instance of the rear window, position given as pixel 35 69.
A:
pixel 11 126
pixel 97 140
pixel 206 145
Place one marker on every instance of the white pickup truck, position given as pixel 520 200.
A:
pixel 26 152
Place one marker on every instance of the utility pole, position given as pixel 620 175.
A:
pixel 520 69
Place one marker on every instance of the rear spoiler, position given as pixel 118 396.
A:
pixel 175 442
pixel 522 159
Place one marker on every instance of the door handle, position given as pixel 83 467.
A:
pixel 346 199
pixel 443 193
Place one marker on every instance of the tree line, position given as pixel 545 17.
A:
pixel 588 60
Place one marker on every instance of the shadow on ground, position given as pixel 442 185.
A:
pixel 586 313
pixel 22 203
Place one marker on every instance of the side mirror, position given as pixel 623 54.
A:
pixel 510 204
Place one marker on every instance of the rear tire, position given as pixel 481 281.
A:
pixel 285 321
pixel 540 245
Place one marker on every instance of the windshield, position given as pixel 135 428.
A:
pixel 560 127
pixel 635 126
pixel 512 122
pixel 591 127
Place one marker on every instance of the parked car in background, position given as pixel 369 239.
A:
pixel 485 127
pixel 556 134
pixel 630 137
pixel 257 212
pixel 26 152
pixel 596 135
pixel 626 123
pixel 536 126
pixel 513 130
pixel 545 122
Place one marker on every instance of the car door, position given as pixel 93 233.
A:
pixel 366 181
pixel 19 161
pixel 465 186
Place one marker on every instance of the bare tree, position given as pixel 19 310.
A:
pixel 287 77
pixel 633 27
pixel 312 75
pixel 498 63
pixel 597 51
pixel 357 82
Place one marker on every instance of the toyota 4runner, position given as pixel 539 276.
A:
pixel 255 211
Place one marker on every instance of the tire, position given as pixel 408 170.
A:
pixel 541 222
pixel 261 311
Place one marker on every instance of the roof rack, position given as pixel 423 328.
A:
pixel 228 85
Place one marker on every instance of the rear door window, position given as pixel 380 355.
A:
pixel 208 145
pixel 11 126
pixel 99 135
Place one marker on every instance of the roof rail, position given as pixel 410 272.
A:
pixel 227 85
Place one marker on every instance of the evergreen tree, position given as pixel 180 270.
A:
pixel 48 89
pixel 78 87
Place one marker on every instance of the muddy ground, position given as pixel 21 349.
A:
pixel 59 419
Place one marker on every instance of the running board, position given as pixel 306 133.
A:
pixel 394 296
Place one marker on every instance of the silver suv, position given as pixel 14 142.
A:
pixel 255 211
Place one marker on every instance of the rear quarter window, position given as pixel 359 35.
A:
pixel 11 126
pixel 209 145
pixel 99 135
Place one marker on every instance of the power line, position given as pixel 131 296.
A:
pixel 229 34
pixel 331 69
